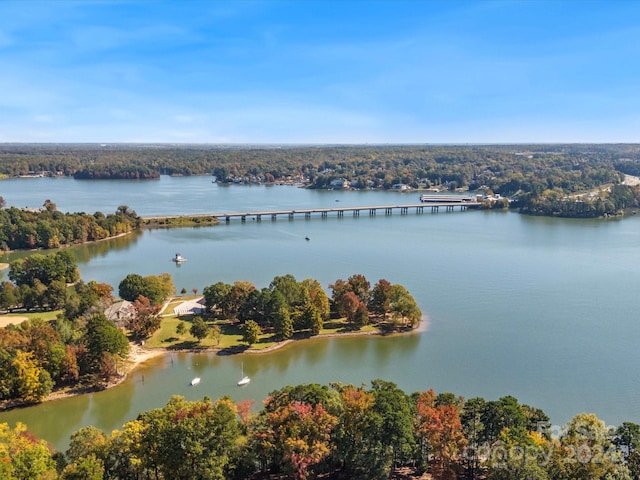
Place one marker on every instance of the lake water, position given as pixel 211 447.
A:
pixel 541 309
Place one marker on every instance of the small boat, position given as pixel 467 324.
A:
pixel 307 238
pixel 178 258
pixel 195 381
pixel 244 380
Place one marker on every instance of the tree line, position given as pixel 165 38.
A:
pixel 525 171
pixel 288 306
pixel 49 228
pixel 80 347
pixel 335 432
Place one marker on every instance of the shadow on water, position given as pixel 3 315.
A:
pixel 84 253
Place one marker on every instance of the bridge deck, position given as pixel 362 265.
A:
pixel 291 213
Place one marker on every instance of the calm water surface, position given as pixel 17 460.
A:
pixel 542 309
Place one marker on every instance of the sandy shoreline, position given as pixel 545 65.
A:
pixel 139 355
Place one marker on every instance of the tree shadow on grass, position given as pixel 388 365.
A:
pixel 236 349
pixel 187 345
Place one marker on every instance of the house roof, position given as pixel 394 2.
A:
pixel 119 310
pixel 194 306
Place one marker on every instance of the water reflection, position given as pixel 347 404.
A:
pixel 114 412
pixel 85 252
pixel 52 418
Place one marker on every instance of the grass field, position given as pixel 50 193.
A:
pixel 8 319
pixel 231 334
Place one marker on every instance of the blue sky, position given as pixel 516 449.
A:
pixel 319 71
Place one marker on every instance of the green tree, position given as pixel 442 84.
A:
pixel 290 289
pixel 86 441
pixel 199 328
pixel 102 336
pixel 131 287
pixel 237 295
pixel 158 288
pixel 186 440
pixel 317 297
pixel 281 317
pixel 181 328
pixel 216 333
pixel 396 428
pixel 56 295
pixel 23 455
pixel 251 332
pixel 313 319
pixel 257 306
pixel 587 451
pixel 86 468
pixel 8 297
pixel 361 316
pixel 216 298
pixel 403 306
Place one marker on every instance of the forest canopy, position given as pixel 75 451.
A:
pixel 543 178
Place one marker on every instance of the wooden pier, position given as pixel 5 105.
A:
pixel 307 213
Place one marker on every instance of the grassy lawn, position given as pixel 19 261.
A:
pixel 231 335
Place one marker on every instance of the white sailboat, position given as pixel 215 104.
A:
pixel 195 381
pixel 244 380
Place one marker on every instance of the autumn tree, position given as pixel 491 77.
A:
pixel 146 320
pixel 293 435
pixel 317 297
pixel 359 285
pixel 380 298
pixel 33 382
pixel 440 429
pixel 349 305
pixel 359 449
pixel 23 456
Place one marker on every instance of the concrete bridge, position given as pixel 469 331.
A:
pixel 370 210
